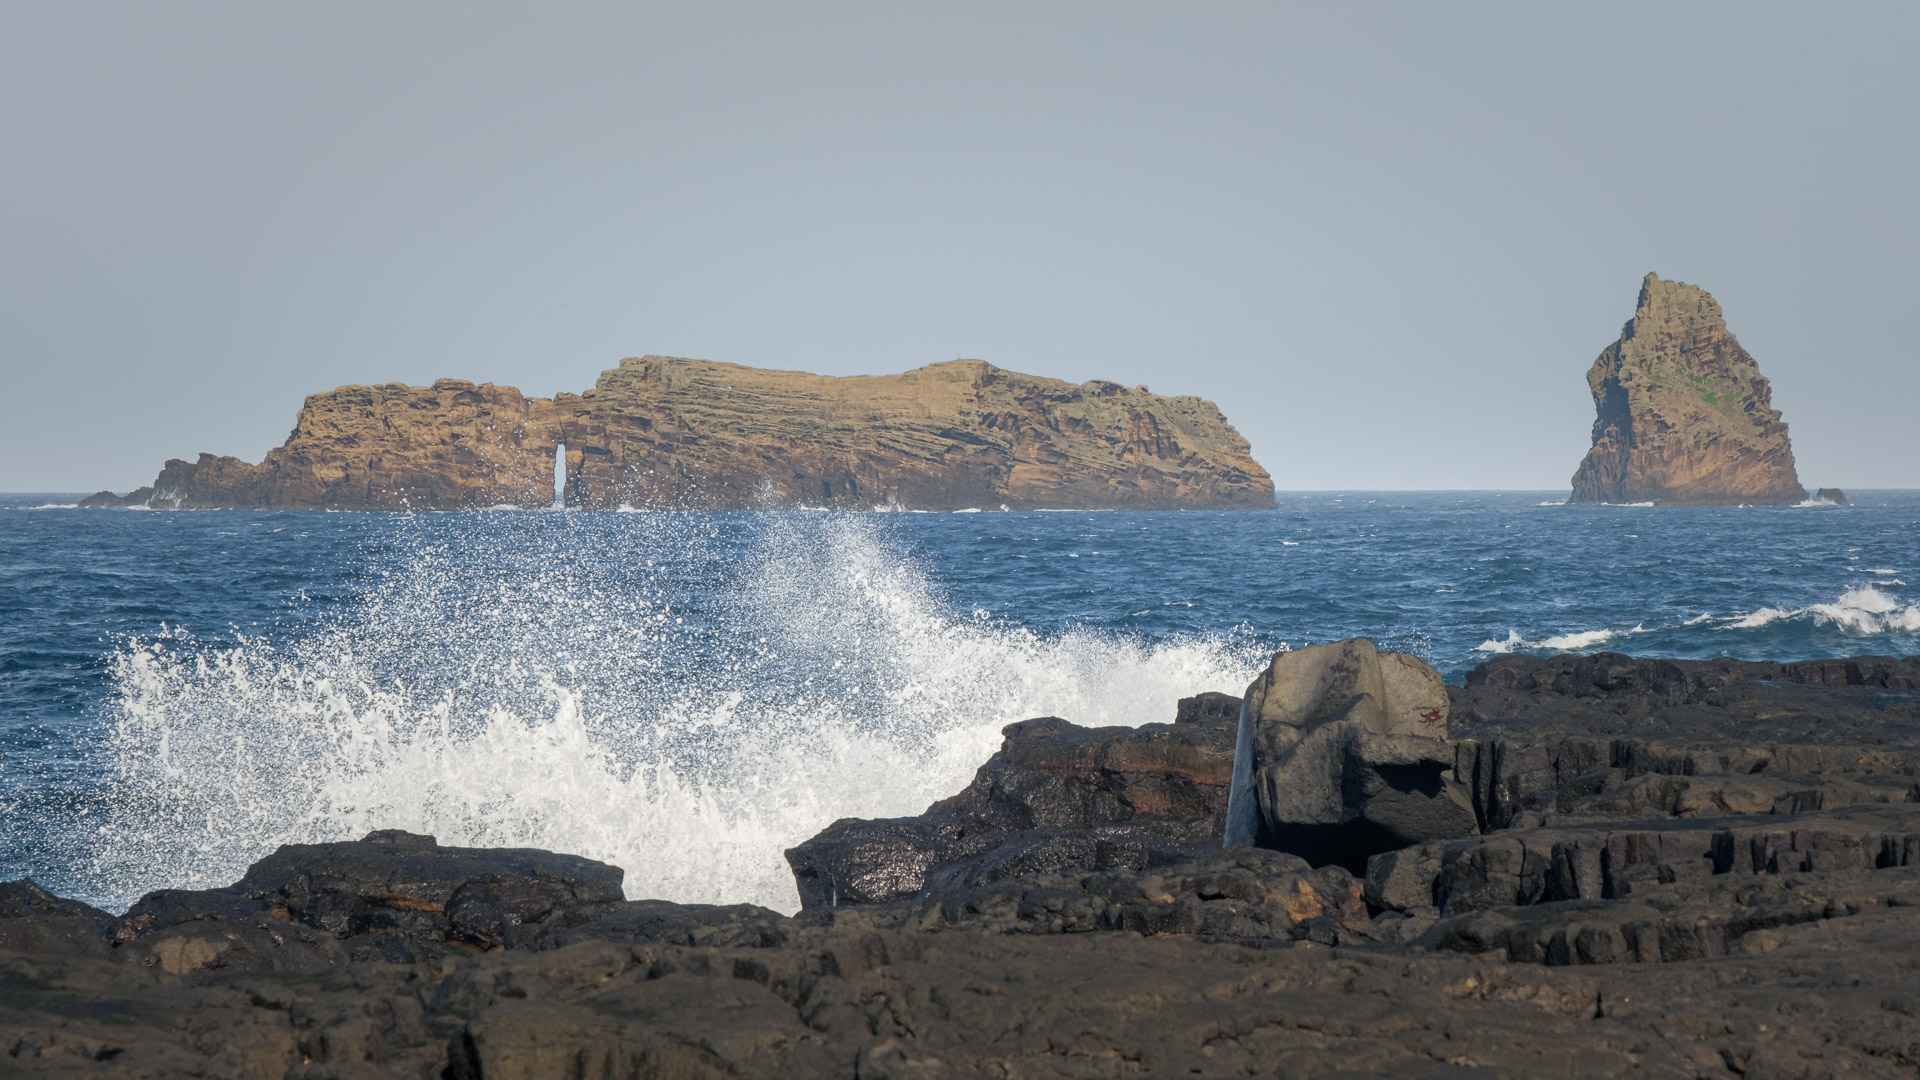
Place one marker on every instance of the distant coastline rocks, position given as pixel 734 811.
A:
pixel 1685 417
pixel 676 434
pixel 104 500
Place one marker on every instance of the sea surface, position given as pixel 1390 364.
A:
pixel 686 695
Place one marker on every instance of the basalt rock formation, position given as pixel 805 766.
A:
pixel 1678 869
pixel 1056 795
pixel 1685 417
pixel 668 433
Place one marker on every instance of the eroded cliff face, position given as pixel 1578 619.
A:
pixel 449 446
pixel 1685 417
pixel 670 433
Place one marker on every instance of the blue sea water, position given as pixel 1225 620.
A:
pixel 687 694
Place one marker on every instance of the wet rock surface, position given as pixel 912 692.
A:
pixel 1705 869
pixel 1056 795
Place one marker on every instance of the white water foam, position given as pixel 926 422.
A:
pixel 566 688
pixel 1575 642
pixel 1585 639
pixel 1862 610
pixel 1761 617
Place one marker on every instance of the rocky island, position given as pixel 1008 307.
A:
pixel 1685 417
pixel 669 433
pixel 1580 866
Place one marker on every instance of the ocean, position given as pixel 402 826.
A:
pixel 686 695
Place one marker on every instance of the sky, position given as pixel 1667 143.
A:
pixel 1388 239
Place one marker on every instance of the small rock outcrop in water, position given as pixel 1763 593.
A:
pixel 670 433
pixel 1685 417
pixel 1677 869
pixel 1830 495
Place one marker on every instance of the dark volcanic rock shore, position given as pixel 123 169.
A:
pixel 1605 867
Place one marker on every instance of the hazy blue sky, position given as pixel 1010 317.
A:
pixel 1387 239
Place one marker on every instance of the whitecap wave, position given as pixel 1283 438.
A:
pixel 1763 617
pixel 1579 641
pixel 1496 645
pixel 1862 610
pixel 536 680
pixel 1585 639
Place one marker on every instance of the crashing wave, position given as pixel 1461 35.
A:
pixel 1862 610
pixel 534 681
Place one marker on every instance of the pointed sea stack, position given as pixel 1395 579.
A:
pixel 1685 417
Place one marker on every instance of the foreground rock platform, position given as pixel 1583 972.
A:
pixel 670 433
pixel 1671 868
pixel 1220 969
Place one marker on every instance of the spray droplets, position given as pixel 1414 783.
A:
pixel 683 696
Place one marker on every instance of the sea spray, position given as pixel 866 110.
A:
pixel 682 695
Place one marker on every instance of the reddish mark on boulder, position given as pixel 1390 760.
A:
pixel 1431 717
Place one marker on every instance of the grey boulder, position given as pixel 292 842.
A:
pixel 1347 756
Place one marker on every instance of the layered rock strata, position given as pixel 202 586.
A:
pixel 449 446
pixel 1684 416
pixel 670 433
